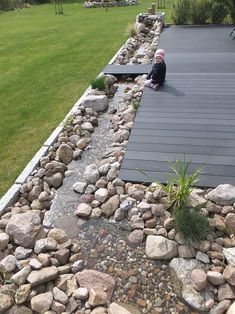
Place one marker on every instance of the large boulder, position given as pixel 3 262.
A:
pixel 23 228
pixel 98 103
pixel 224 194
pixel 158 247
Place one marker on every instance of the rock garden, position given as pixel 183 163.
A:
pixel 80 240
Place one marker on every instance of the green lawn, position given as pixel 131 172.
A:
pixel 46 63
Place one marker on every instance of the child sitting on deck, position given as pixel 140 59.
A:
pixel 157 75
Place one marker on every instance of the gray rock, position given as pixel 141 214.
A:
pixel 77 266
pixel 35 264
pixel 81 294
pixel 226 292
pixel 103 170
pixel 87 126
pixel 21 276
pixel 22 293
pixel 23 228
pixel 229 274
pixel 65 153
pixel 193 298
pixel 19 309
pixel 101 195
pixel 186 251
pixel 136 222
pixel 136 237
pixel 8 264
pixel 203 257
pixel 98 103
pixel 158 247
pixel 4 240
pixel 44 245
pixel 91 174
pixel 224 194
pixel 22 253
pixel 82 143
pixel 121 136
pixel 221 307
pixel 37 277
pixel 112 174
pixel 60 296
pixel 96 213
pixel 54 181
pixel 5 302
pixel 229 254
pixel 58 235
pixel 110 206
pixel 215 277
pixel 196 201
pixel 83 210
pixel 79 187
pixel 42 302
pixel 183 268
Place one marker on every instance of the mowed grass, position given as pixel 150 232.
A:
pixel 46 63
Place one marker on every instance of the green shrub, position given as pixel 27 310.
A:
pixel 199 11
pixel 181 11
pixel 6 5
pixel 191 224
pixel 219 10
pixel 98 83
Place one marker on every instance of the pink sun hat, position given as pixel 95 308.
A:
pixel 160 53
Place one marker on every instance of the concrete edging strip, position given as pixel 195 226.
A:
pixel 10 196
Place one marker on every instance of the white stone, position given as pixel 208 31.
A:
pixel 21 276
pixel 83 210
pixel 60 296
pixel 158 247
pixel 79 187
pixel 91 174
pixel 96 102
pixel 101 195
pixel 8 264
pixel 224 194
pixel 215 277
pixel 81 294
pixel 229 254
pixel 231 309
pixel 35 264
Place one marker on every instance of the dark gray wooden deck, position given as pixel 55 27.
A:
pixel 193 116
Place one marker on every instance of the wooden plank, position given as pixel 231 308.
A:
pixel 178 148
pixel 127 69
pixel 184 126
pixel 172 156
pixel 204 180
pixel 163 166
pixel 176 140
pixel 174 133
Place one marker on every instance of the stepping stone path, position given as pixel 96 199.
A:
pixel 98 245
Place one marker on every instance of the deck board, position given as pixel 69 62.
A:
pixel 193 116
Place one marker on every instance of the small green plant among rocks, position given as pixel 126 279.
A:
pixel 135 105
pixel 191 223
pixel 98 83
pixel 130 30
